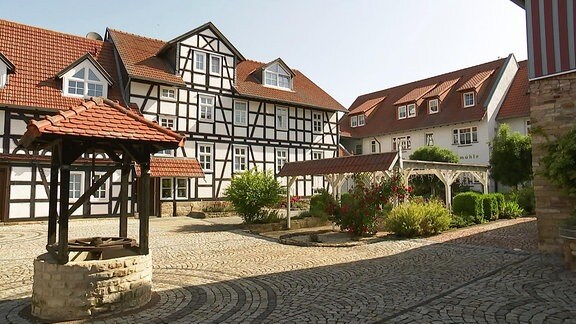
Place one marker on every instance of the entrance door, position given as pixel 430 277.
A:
pixel 3 194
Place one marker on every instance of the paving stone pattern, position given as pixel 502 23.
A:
pixel 210 271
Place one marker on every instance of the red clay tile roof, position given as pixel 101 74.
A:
pixel 38 55
pixel 415 94
pixel 517 101
pixel 476 80
pixel 138 55
pixel 101 119
pixel 305 92
pixel 180 167
pixel 345 164
pixel 367 107
pixel 441 89
pixel 384 120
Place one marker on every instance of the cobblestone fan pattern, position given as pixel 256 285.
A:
pixel 217 274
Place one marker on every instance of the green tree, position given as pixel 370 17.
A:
pixel 251 191
pixel 430 185
pixel 511 157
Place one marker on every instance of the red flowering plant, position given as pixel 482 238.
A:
pixel 360 209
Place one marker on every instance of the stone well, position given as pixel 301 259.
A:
pixel 83 288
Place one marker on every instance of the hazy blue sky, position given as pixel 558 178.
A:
pixel 346 47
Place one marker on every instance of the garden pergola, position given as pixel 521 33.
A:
pixel 336 170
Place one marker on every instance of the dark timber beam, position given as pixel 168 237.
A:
pixel 53 196
pixel 64 216
pixel 125 173
pixel 144 209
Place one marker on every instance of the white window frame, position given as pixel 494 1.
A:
pixel 429 139
pixel 433 103
pixel 281 158
pixel 207 107
pixel 212 58
pixel 317 122
pixel 4 76
pixel 196 68
pixel 527 127
pixel 237 163
pixel 361 120
pixel 165 122
pixel 354 121
pixel 411 108
pixel 464 95
pixel 85 81
pixel 178 187
pixel 373 146
pixel 317 155
pixel 405 141
pixel 237 111
pixel 402 111
pixel 458 134
pixel 267 82
pixel 169 188
pixel 206 158
pixel 282 123
pixel 102 192
pixel 165 93
pixel 72 188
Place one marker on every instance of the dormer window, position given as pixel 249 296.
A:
pixel 354 121
pixel 276 76
pixel 361 120
pixel 402 112
pixel 85 78
pixel 468 98
pixel 433 106
pixel 411 110
pixel 6 68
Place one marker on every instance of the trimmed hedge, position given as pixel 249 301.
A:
pixel 490 206
pixel 500 197
pixel 418 219
pixel 469 204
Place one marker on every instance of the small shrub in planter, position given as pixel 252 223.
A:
pixel 418 219
pixel 511 209
pixel 490 207
pixel 469 204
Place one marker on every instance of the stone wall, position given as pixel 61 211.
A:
pixel 84 289
pixel 553 113
pixel 183 208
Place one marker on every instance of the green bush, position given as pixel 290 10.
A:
pixel 511 209
pixel 418 219
pixel 322 204
pixel 469 204
pixel 303 214
pixel 500 198
pixel 459 221
pixel 525 199
pixel 490 207
pixel 251 191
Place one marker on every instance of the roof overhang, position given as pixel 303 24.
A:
pixel 94 63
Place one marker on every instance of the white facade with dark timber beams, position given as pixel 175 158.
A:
pixel 237 113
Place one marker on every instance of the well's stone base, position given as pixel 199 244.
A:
pixel 83 289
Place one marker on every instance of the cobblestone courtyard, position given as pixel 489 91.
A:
pixel 216 273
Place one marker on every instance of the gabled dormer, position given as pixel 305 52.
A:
pixel 277 74
pixel 406 106
pixel 85 78
pixel 435 96
pixel 471 88
pixel 6 68
pixel 360 114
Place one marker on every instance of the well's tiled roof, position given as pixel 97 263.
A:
pixel 179 167
pixel 367 107
pixel 39 55
pixel 476 80
pixel 415 94
pixel 385 121
pixel 517 101
pixel 138 55
pixel 101 119
pixel 346 164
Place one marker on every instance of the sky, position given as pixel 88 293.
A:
pixel 347 47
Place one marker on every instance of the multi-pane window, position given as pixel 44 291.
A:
pixel 317 126
pixel 85 82
pixel 411 110
pixel 215 64
pixel 206 108
pixel 167 122
pixel 200 61
pixel 403 142
pixel 168 93
pixel 429 139
pixel 100 193
pixel 166 185
pixel 205 156
pixel 317 155
pixel 240 158
pixel 373 146
pixel 358 149
pixel 464 136
pixel 281 159
pixel 401 112
pixel 433 106
pixel 361 120
pixel 468 98
pixel 181 188
pixel 528 127
pixel 240 113
pixel 75 190
pixel 354 121
pixel 282 118
pixel 276 76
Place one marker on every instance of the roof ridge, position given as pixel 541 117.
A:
pixel 133 34
pixel 20 25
